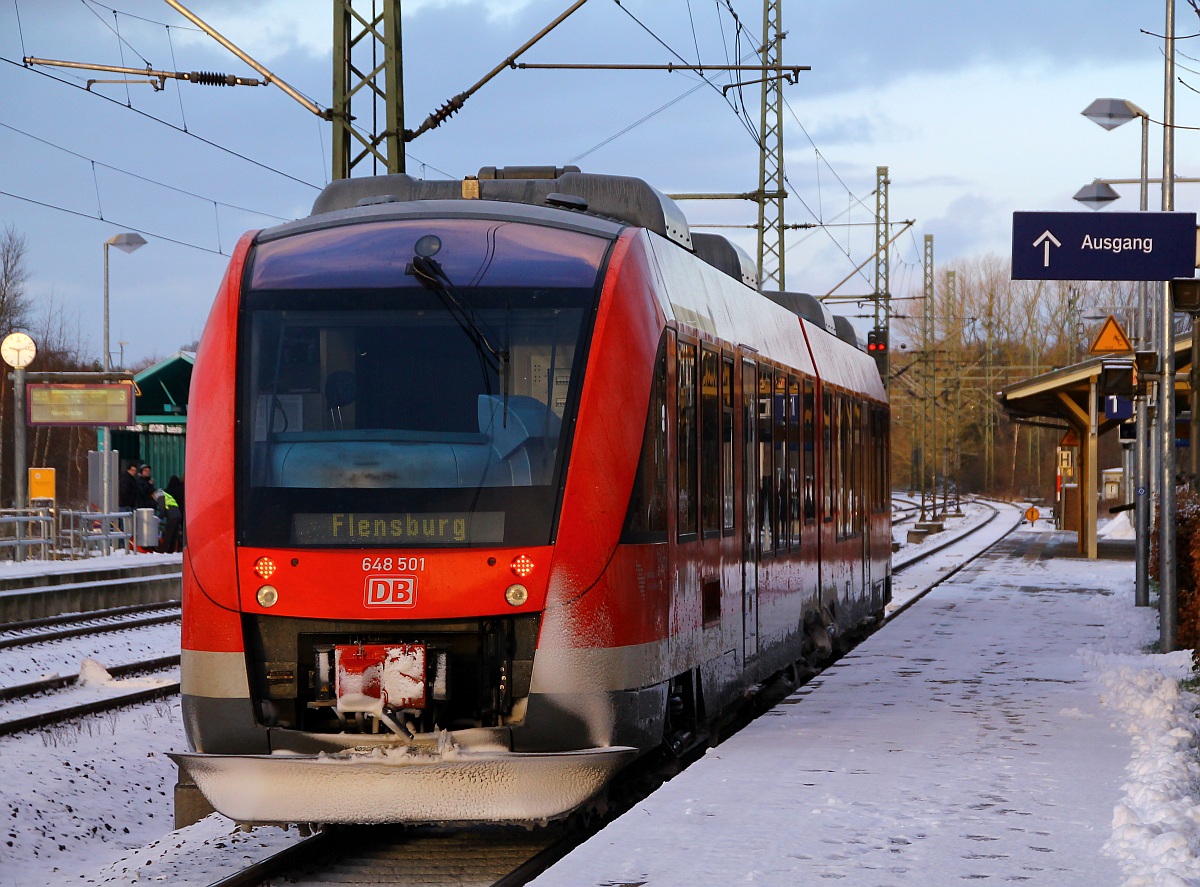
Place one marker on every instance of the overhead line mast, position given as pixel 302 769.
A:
pixel 354 33
pixel 770 163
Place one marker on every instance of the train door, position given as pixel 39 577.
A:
pixel 750 508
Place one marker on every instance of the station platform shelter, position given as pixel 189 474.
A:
pixel 159 432
pixel 1073 399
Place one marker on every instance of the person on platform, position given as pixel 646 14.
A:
pixel 172 500
pixel 127 490
pixel 145 489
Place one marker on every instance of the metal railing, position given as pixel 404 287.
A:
pixel 46 533
pixel 88 533
pixel 27 531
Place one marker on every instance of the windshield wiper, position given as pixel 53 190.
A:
pixel 430 273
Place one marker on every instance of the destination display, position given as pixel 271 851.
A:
pixel 402 529
pixel 79 404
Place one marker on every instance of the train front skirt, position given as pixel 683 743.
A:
pixel 402 784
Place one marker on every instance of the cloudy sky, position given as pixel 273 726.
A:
pixel 972 106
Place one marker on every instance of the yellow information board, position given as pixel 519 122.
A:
pixel 41 484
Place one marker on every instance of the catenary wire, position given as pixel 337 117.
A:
pixel 82 215
pixel 166 123
pixel 139 177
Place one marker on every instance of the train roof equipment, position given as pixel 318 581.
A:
pixel 807 306
pixel 623 199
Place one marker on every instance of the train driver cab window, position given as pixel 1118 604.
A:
pixel 382 408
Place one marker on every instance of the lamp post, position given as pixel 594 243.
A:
pixel 126 242
pixel 1111 113
pixel 1168 614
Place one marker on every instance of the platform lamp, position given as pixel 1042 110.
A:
pixel 1111 113
pixel 126 242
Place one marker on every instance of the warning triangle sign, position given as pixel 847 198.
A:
pixel 1111 340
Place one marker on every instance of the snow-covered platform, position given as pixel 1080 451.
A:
pixel 1008 727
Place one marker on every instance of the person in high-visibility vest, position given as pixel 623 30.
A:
pixel 172 500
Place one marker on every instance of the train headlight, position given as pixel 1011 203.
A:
pixel 516 594
pixel 264 568
pixel 521 566
pixel 267 596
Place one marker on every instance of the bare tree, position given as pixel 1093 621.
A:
pixel 992 332
pixel 14 275
pixel 61 347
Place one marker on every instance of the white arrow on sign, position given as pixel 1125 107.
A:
pixel 1047 238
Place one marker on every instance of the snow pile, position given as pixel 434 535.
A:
pixel 93 674
pixel 1118 528
pixel 1156 827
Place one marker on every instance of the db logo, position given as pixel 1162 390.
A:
pixel 391 591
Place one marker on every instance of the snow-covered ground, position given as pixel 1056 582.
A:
pixel 91 803
pixel 1009 726
pixel 77 795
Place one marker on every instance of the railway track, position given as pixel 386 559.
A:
pixel 486 856
pixel 57 710
pixel 101 602
pixel 483 857
pixel 54 628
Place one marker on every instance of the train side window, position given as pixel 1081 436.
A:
pixel 646 520
pixel 686 441
pixel 827 457
pixel 883 443
pixel 727 488
pixel 858 456
pixel 793 461
pixel 710 443
pixel 841 480
pixel 766 491
pixel 749 457
pixel 810 456
pixel 875 480
pixel 781 462
pixel 849 480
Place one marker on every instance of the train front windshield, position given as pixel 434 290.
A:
pixel 410 383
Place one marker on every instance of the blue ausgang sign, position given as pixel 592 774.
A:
pixel 1103 246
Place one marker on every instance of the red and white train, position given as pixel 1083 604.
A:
pixel 496 484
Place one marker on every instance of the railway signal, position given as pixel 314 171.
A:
pixel 877 347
